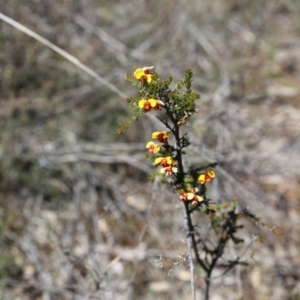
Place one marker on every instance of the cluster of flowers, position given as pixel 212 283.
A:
pixel 191 193
pixel 167 163
pixel 144 75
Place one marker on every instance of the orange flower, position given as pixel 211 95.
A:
pixel 206 177
pixel 143 74
pixel 147 105
pixel 153 148
pixel 161 136
pixel 169 170
pixel 190 195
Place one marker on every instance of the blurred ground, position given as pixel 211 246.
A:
pixel 79 219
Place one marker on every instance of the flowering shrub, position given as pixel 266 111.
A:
pixel 189 183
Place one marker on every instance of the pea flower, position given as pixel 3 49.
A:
pixel 143 74
pixel 167 164
pixel 153 148
pixel 169 170
pixel 206 177
pixel 190 195
pixel 161 136
pixel 164 161
pixel 147 105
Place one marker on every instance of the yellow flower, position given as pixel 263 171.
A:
pixel 211 174
pixel 164 161
pixel 161 136
pixel 153 148
pixel 143 74
pixel 147 105
pixel 206 177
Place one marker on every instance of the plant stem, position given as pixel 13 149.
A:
pixel 207 285
pixel 188 222
pixel 190 254
pixel 190 240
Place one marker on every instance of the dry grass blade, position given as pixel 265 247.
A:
pixel 63 53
